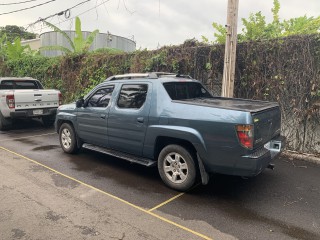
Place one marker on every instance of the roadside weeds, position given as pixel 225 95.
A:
pixel 301 156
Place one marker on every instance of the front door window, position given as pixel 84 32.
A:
pixel 101 98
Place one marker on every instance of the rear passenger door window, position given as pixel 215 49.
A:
pixel 101 98
pixel 132 96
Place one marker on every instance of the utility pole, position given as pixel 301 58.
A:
pixel 230 49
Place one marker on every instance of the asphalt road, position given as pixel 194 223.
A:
pixel 279 204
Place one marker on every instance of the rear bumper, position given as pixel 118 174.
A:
pixel 255 162
pixel 30 113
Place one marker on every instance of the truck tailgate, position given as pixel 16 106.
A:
pixel 267 124
pixel 33 99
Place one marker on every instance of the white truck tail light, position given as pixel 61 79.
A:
pixel 60 99
pixel 245 135
pixel 10 101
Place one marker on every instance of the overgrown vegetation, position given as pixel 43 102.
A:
pixel 11 32
pixel 14 50
pixel 256 28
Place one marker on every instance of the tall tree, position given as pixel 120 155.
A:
pixel 12 32
pixel 255 27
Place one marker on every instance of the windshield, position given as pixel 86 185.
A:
pixel 186 90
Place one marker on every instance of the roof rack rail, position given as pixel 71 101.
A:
pixel 184 76
pixel 127 76
pixel 161 74
pixel 151 75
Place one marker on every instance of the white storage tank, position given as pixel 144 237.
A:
pixel 102 40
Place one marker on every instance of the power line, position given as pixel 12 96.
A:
pixel 69 19
pixel 91 8
pixel 15 3
pixel 66 13
pixel 27 7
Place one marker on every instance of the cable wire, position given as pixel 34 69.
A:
pixel 23 9
pixel 69 19
pixel 15 3
pixel 66 13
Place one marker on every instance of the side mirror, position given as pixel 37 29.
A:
pixel 80 103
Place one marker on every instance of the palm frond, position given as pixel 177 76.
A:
pixel 56 29
pixel 78 39
pixel 90 39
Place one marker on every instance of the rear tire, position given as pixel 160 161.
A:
pixel 68 139
pixel 176 167
pixel 48 121
pixel 5 124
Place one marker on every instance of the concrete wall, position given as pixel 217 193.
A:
pixel 34 44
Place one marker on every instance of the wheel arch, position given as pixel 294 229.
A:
pixel 159 135
pixel 191 139
pixel 163 141
pixel 64 117
pixel 62 121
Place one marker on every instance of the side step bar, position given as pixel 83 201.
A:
pixel 134 159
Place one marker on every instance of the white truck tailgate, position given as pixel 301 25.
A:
pixel 33 99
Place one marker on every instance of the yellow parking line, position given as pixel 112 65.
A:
pixel 165 202
pixel 112 196
pixel 171 199
pixel 40 135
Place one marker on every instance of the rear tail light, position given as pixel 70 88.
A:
pixel 10 101
pixel 245 135
pixel 60 99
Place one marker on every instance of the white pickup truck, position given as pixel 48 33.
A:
pixel 26 98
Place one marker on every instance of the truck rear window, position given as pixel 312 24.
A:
pixel 186 90
pixel 20 84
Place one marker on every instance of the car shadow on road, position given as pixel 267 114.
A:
pixel 129 175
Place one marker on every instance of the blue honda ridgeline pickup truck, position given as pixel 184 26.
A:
pixel 171 121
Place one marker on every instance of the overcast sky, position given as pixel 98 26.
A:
pixel 153 23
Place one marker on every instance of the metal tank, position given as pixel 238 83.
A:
pixel 102 40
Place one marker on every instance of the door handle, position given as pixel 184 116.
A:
pixel 140 119
pixel 103 116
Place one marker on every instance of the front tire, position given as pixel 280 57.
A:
pixel 176 167
pixel 67 137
